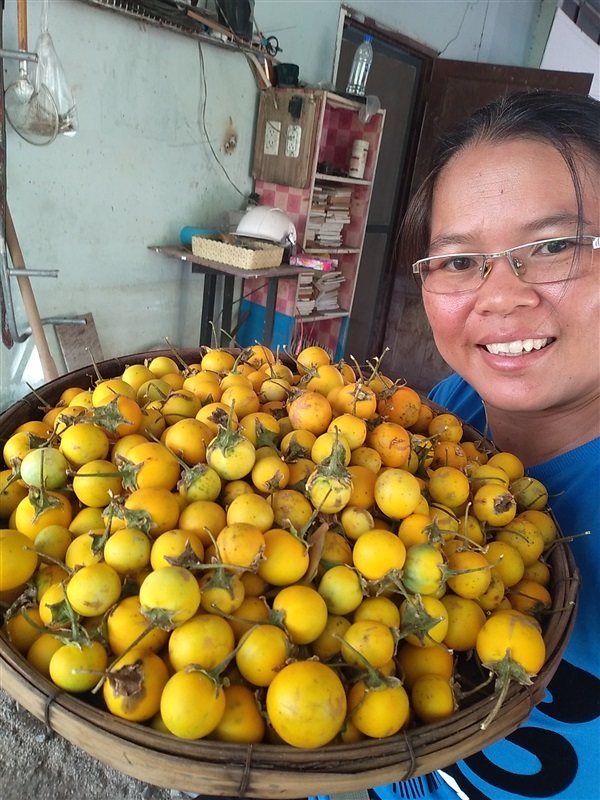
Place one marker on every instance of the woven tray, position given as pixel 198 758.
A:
pixel 264 770
pixel 253 255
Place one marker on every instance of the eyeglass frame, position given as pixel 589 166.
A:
pixel 488 258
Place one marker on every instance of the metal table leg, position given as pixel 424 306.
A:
pixel 270 311
pixel 226 313
pixel 208 308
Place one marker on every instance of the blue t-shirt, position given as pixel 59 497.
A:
pixel 556 752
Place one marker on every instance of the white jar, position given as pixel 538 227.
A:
pixel 358 159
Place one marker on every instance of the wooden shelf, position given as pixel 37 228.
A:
pixel 330 123
pixel 323 177
pixel 187 22
pixel 332 250
pixel 317 317
pixel 342 101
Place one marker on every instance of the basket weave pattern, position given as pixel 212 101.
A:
pixel 266 770
pixel 255 255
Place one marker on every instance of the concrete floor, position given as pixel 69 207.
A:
pixel 36 764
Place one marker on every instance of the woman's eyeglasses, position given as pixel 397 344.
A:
pixel 545 261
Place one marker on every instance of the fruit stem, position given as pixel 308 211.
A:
pixel 374 678
pixel 497 705
pixel 506 670
pixel 45 406
pixel 176 354
pixel 95 366
pixel 564 540
pixel 111 666
pixel 359 371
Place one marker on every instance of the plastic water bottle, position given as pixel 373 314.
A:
pixel 363 58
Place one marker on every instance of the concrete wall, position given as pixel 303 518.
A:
pixel 140 166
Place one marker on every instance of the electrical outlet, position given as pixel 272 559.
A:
pixel 272 136
pixel 292 142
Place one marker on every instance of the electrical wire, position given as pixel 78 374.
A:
pixel 203 120
pixel 455 37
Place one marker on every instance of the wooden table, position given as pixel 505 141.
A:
pixel 213 270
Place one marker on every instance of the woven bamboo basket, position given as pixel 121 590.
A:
pixel 268 770
pixel 252 255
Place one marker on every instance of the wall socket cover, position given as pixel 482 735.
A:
pixel 292 142
pixel 272 137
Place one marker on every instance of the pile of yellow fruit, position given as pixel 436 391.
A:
pixel 253 548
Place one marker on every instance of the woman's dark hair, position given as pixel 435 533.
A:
pixel 570 123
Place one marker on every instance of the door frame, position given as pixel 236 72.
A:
pixel 427 55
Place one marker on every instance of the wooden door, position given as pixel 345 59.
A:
pixel 457 88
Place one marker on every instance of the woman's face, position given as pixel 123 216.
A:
pixel 489 198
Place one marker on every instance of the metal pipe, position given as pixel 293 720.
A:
pixel 20 55
pixel 64 321
pixel 56 321
pixel 33 273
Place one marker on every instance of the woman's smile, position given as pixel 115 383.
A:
pixel 518 347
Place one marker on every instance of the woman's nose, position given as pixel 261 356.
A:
pixel 502 290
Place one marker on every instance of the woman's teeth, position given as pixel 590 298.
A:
pixel 516 348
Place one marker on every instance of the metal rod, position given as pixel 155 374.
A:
pixel 208 309
pixel 64 321
pixel 18 55
pixel 270 311
pixel 55 321
pixel 33 273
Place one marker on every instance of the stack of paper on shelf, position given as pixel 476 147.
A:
pixel 326 291
pixel 305 301
pixel 329 212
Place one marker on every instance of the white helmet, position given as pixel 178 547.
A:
pixel 270 224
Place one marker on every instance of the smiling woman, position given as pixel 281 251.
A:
pixel 506 335
pixel 513 323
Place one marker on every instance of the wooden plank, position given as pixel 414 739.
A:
pixel 79 343
pixel 275 107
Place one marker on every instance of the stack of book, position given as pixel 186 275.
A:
pixel 326 292
pixel 329 212
pixel 305 302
